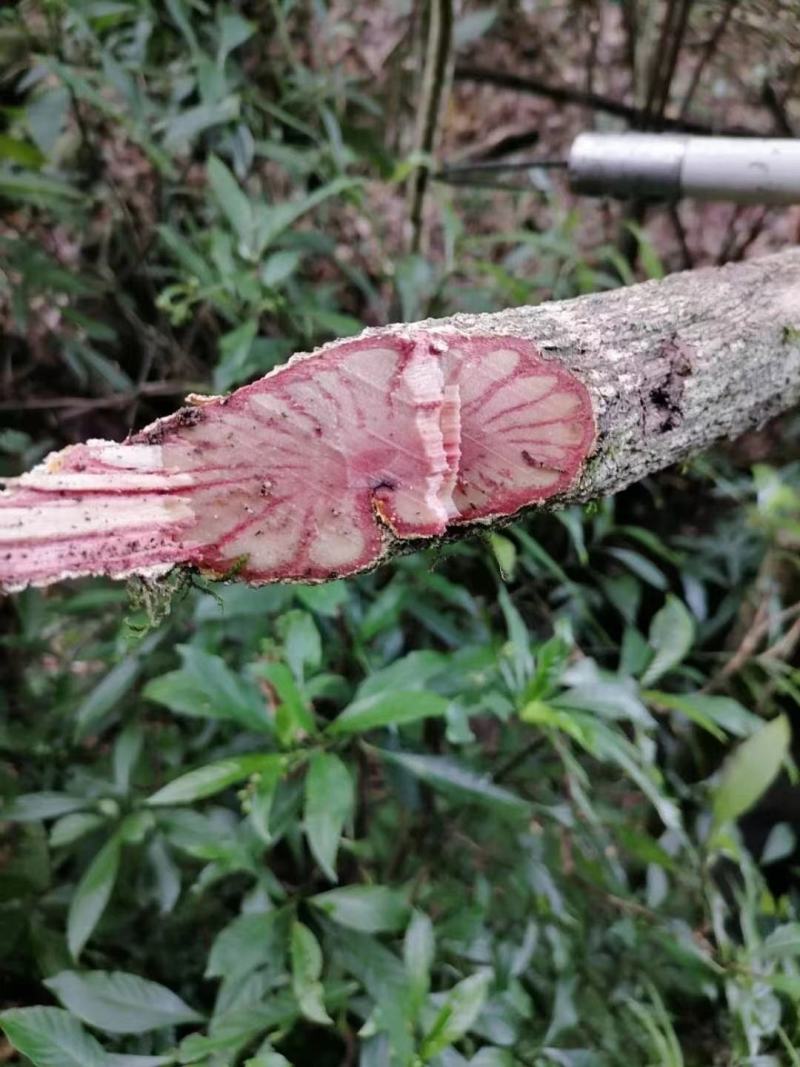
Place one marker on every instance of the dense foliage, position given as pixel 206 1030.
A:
pixel 497 804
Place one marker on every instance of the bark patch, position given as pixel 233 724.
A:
pixel 661 394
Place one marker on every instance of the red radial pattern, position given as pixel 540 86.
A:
pixel 313 471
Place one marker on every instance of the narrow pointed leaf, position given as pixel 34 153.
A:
pixel 214 777
pixel 92 895
pixel 671 636
pixel 388 709
pixel 329 802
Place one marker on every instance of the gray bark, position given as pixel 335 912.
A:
pixel 673 365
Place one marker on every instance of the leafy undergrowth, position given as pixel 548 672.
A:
pixel 444 814
pixel 519 802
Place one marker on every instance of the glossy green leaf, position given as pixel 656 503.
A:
pixel 294 718
pixel 461 1008
pixel 306 957
pixel 457 780
pixel 371 909
pixel 406 674
pixel 92 895
pixel 234 351
pixel 302 645
pixel 180 131
pixel 718 715
pixel 418 952
pixel 329 803
pixel 31 807
pixel 120 1003
pixel 248 942
pixel 641 566
pixel 206 688
pixel 50 1037
pixel 388 709
pixel 751 769
pixel 214 777
pixel 671 636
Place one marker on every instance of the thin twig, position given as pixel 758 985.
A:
pixel 756 632
pixel 681 23
pixel 658 59
pixel 777 109
pixel 706 55
pixel 435 79
pixel 87 403
pixel 784 647
pixel 687 260
pixel 516 759
pixel 566 94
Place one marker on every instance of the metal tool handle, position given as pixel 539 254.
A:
pixel 746 170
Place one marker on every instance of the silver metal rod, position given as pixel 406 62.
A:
pixel 665 166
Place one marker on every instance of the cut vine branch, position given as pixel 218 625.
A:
pixel 377 445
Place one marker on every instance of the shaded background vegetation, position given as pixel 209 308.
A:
pixel 481 805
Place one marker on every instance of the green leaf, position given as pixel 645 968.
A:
pixel 371 909
pixel 505 553
pixel 751 769
pixel 120 1003
pixel 388 709
pixel 180 131
pixel 72 827
pixel 233 32
pixel 783 941
pixel 31 807
pixel 46 115
pixel 306 958
pixel 457 780
pixel 112 688
pixel 92 895
pixel 214 777
pixel 519 640
pixel 671 636
pixel 127 750
pixel 716 714
pixel 640 566
pixel 267 1059
pixel 234 351
pixel 196 266
pixel 302 644
pixel 286 214
pixel 118 1059
pixel 497 1057
pixel 457 1015
pixel 325 599
pixel 206 688
pixel 606 694
pixel 329 802
pixel 261 798
pixel 409 673
pixel 294 719
pixel 781 842
pixel 279 267
pixel 34 188
pixel 50 1037
pixel 247 942
pixel 418 952
pixel 540 713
